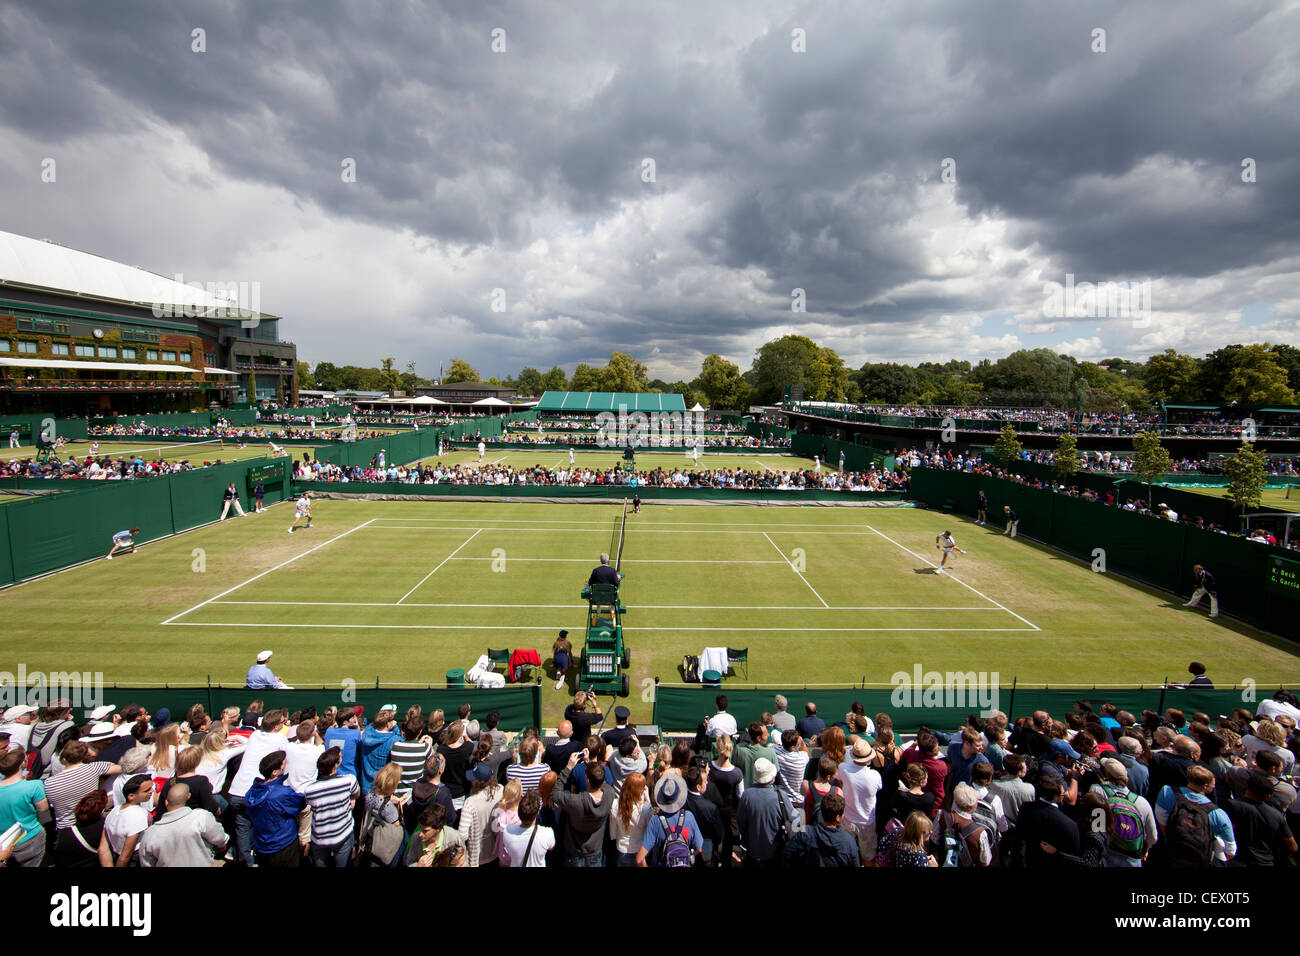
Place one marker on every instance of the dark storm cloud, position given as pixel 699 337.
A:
pixel 816 170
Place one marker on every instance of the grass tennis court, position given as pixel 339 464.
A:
pixel 403 591
pixel 152 448
pixel 1271 498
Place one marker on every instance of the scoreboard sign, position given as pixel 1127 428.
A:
pixel 1284 576
pixel 267 473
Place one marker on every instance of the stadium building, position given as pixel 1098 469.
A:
pixel 83 335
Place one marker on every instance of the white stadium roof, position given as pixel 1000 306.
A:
pixel 38 263
pixel 96 366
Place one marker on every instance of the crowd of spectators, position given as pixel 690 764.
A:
pixel 681 476
pixel 101 467
pixel 224 432
pixel 328 788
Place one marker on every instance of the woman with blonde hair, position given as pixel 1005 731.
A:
pixel 631 816
pixel 217 751
pixel 162 762
pixel 660 765
pixel 505 813
pixel 437 723
pixel 905 848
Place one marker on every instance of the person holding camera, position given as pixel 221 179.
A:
pixel 580 717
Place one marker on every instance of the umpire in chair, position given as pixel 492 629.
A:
pixel 604 574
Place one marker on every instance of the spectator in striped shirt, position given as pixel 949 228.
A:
pixel 528 771
pixel 65 789
pixel 331 799
pixel 792 764
pixel 412 752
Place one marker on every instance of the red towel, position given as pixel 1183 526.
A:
pixel 522 656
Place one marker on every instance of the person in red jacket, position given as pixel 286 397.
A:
pixel 925 751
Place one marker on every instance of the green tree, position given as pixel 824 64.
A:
pixel 623 373
pixel 305 377
pixel 555 380
pixel 1065 462
pixel 782 362
pixel 327 377
pixel 1213 372
pixel 1035 374
pixel 1257 379
pixel 1245 471
pixel 685 391
pixel 529 381
pixel 1288 356
pixel 828 377
pixel 721 384
pixel 389 379
pixel 889 383
pixel 1150 459
pixel 585 379
pixel 1007 447
pixel 460 371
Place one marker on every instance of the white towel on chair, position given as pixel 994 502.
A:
pixel 482 675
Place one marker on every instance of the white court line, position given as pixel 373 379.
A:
pixel 630 560
pixel 268 571
pixel 639 607
pixel 958 580
pixel 639 629
pixel 795 570
pixel 641 522
pixel 761 465
pixel 595 528
pixel 440 564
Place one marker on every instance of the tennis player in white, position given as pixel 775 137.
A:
pixel 570 457
pixel 947 545
pixel 301 509
pixel 482 450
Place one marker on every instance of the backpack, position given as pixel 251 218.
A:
pixel 985 817
pixel 792 823
pixel 691 669
pixel 954 851
pixel 36 765
pixel 893 831
pixel 1188 840
pixel 677 849
pixel 1126 834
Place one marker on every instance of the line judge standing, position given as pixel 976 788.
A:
pixel 1204 585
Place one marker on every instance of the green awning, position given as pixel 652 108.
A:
pixel 593 402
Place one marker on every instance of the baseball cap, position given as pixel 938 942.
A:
pixel 1061 747
pixel 392 707
pixel 263 657
pixel 18 710
pixel 161 718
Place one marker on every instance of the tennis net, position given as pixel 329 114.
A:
pixel 622 531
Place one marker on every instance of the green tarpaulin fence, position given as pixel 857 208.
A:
pixel 679 709
pixel 49 532
pixel 1150 549
pixel 30 428
pixel 856 457
pixel 520 705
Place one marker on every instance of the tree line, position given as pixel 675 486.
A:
pixel 1254 374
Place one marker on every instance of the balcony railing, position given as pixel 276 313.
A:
pixel 109 385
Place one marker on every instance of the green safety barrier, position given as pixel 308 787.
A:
pixel 509 492
pixel 30 428
pixel 559 445
pixel 49 532
pixel 520 705
pixel 1150 549
pixel 679 709
pixel 856 457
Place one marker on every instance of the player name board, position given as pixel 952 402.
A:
pixel 272 472
pixel 1284 576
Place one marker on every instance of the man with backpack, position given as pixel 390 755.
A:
pixel 672 838
pixel 44 742
pixel 1132 823
pixel 964 841
pixel 765 818
pixel 1190 824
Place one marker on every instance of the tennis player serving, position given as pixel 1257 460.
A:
pixel 947 545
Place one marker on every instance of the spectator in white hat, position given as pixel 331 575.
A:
pixel 17 723
pixel 762 807
pixel 260 676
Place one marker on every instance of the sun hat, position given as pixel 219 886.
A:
pixel 764 771
pixel 670 793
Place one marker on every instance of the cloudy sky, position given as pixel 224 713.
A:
pixel 660 177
